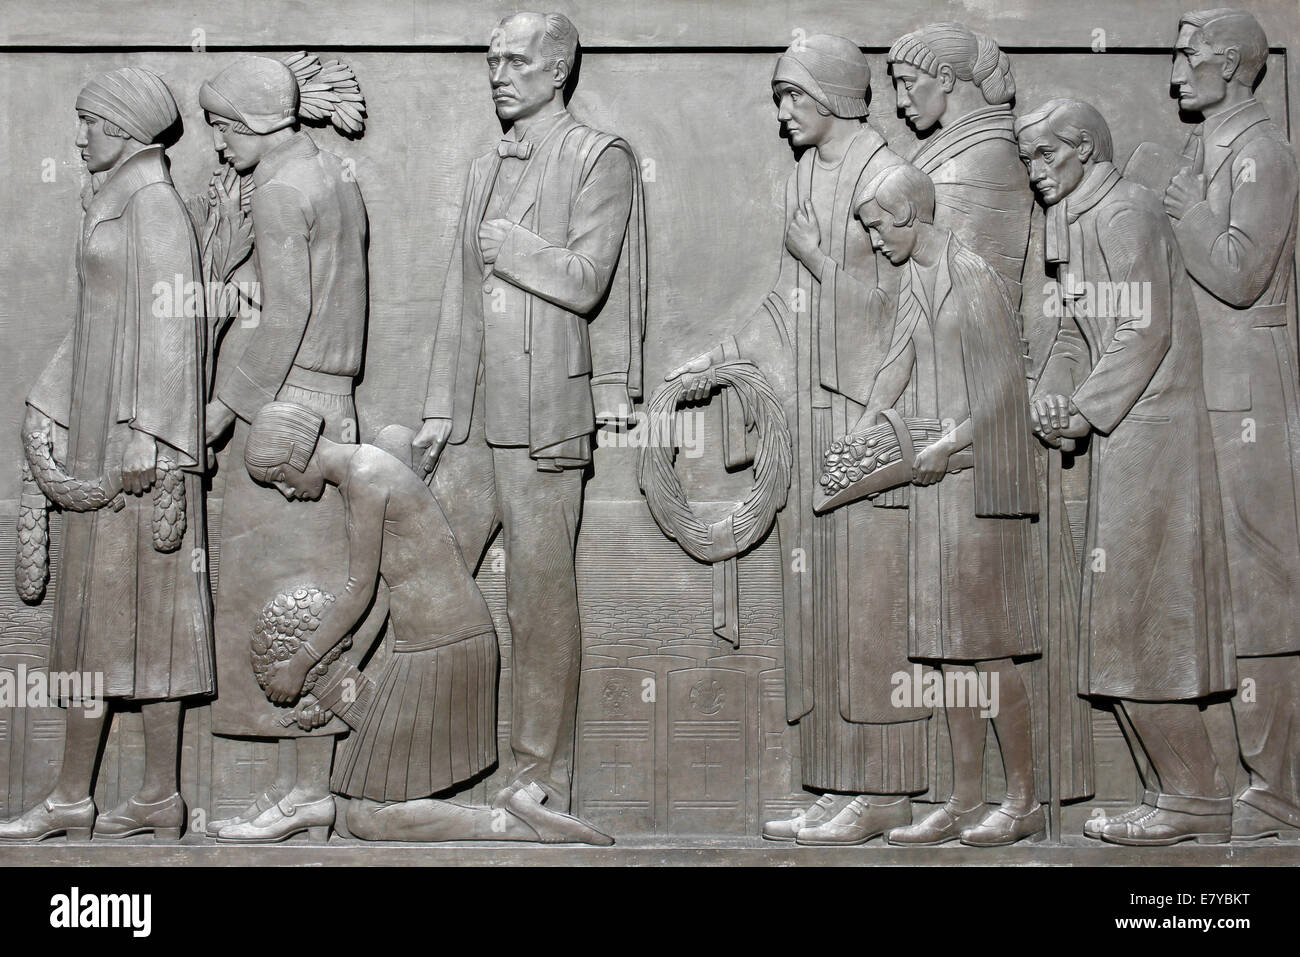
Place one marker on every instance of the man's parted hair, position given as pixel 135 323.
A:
pixel 282 433
pixel 1068 120
pixel 559 41
pixel 1225 27
pixel 903 191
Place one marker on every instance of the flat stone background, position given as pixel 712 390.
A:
pixel 687 83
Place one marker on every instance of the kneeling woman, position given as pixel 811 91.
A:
pixel 431 724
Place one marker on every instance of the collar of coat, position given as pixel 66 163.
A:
pixel 1221 131
pixel 1099 181
pixel 136 172
pixel 298 146
pixel 942 279
pixel 977 126
pixel 537 131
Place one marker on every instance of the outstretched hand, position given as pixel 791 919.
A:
pixel 699 378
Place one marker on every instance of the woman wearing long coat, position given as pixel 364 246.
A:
pixel 127 385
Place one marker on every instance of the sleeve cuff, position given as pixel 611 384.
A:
pixel 243 396
pixel 612 402
pixel 520 243
pixel 1094 410
pixel 1197 226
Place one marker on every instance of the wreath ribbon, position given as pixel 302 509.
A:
pixel 720 543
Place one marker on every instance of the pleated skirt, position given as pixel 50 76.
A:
pixel 431 725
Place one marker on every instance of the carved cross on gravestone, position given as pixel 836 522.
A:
pixel 706 764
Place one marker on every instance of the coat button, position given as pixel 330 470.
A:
pixel 487 287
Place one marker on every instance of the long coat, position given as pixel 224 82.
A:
pixel 819 340
pixel 1239 247
pixel 134 361
pixel 971 587
pixel 1155 612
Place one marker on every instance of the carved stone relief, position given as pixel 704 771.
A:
pixel 890 442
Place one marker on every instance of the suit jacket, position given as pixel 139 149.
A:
pixel 569 277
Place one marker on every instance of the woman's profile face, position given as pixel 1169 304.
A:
pixel 99 150
pixel 921 97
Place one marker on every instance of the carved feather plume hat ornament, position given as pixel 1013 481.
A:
pixel 265 94
pixel 136 100
pixel 830 69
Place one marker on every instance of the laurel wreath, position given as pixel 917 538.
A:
pixel 45 482
pixel 754 515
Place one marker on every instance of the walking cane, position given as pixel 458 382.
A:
pixel 1055 719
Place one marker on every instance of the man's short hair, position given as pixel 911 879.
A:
pixel 559 38
pixel 903 191
pixel 282 433
pixel 1068 120
pixel 1225 27
pixel 560 41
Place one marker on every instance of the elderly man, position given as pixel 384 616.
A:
pixel 310 255
pixel 1233 210
pixel 1155 616
pixel 819 338
pixel 539 339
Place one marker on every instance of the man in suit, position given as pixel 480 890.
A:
pixel 538 341
pixel 1233 210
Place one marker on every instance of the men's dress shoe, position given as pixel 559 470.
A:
pixel 1002 827
pixel 1175 818
pixel 1258 813
pixel 48 819
pixel 858 823
pixel 552 827
pixel 788 828
pixel 265 801
pixel 162 819
pixel 945 823
pixel 282 821
pixel 1249 823
pixel 1094 825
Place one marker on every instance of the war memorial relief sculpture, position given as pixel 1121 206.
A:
pixel 883 450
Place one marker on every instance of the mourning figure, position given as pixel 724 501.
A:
pixel 429 723
pixel 311 232
pixel 819 338
pixel 539 340
pixel 970 588
pixel 955 87
pixel 122 403
pixel 1155 613
pixel 1233 210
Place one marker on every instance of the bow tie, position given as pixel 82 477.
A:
pixel 520 149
